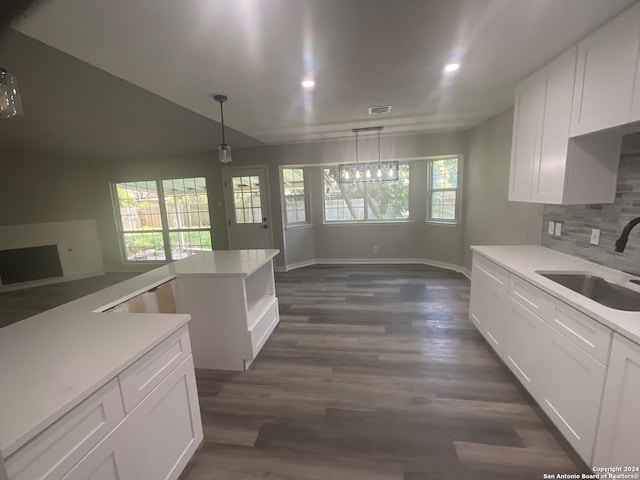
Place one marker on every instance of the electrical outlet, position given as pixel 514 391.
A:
pixel 595 236
pixel 558 231
pixel 375 249
pixel 552 227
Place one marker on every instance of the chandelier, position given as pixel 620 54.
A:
pixel 370 171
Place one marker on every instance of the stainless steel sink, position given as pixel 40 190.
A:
pixel 598 289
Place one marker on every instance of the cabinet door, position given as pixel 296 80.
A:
pixel 549 168
pixel 112 459
pixel 487 310
pixel 525 149
pixel 618 441
pixel 524 336
pixel 607 61
pixel 571 390
pixel 166 426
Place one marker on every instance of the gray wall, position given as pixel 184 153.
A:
pixel 440 243
pixel 37 188
pixel 488 218
pixel 69 190
pixel 578 220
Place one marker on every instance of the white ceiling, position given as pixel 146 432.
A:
pixel 360 52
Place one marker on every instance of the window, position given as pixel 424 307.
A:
pixel 295 197
pixel 163 219
pixel 443 190
pixel 375 201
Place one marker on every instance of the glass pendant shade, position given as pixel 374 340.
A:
pixel 224 153
pixel 10 101
pixel 224 150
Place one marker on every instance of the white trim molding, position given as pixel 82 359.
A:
pixel 374 261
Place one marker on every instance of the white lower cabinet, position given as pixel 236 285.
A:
pixel 487 310
pixel 143 425
pixel 571 390
pixel 523 342
pixel 112 459
pixel 560 355
pixel 166 425
pixel 488 302
pixel 618 441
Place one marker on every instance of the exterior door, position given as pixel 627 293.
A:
pixel 247 207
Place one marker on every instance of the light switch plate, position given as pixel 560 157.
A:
pixel 595 236
pixel 552 226
pixel 558 231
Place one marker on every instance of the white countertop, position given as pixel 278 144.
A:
pixel 525 260
pixel 52 361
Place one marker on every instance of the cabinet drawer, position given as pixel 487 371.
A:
pixel 490 272
pixel 263 327
pixel 50 455
pixel 583 331
pixel 530 297
pixel 143 376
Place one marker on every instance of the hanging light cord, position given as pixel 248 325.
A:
pixel 356 149
pixel 379 160
pixel 222 118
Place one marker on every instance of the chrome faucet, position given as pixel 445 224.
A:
pixel 621 243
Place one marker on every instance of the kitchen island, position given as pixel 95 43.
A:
pixel 88 391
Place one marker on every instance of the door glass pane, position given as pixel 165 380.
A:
pixel 246 199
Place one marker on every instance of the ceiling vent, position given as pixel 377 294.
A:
pixel 379 109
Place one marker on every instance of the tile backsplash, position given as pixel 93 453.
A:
pixel 578 220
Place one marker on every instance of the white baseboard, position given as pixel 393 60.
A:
pixel 47 281
pixel 376 261
pixel 293 266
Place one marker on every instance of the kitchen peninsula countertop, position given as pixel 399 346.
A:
pixel 524 261
pixel 51 362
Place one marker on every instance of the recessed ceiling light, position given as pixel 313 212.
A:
pixel 451 67
pixel 308 83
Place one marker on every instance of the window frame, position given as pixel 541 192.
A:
pixel 431 190
pixel 307 211
pixel 365 196
pixel 165 231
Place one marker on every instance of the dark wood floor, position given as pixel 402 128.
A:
pixel 376 373
pixel 20 304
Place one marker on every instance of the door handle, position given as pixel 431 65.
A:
pixel 265 226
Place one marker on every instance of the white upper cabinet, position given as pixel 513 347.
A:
pixel 606 75
pixel 546 165
pixel 526 133
pixel 550 166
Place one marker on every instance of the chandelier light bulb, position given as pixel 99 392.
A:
pixel 368 174
pixel 358 174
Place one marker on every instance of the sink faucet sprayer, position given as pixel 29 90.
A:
pixel 621 243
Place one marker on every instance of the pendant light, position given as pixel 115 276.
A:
pixel 224 150
pixel 10 101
